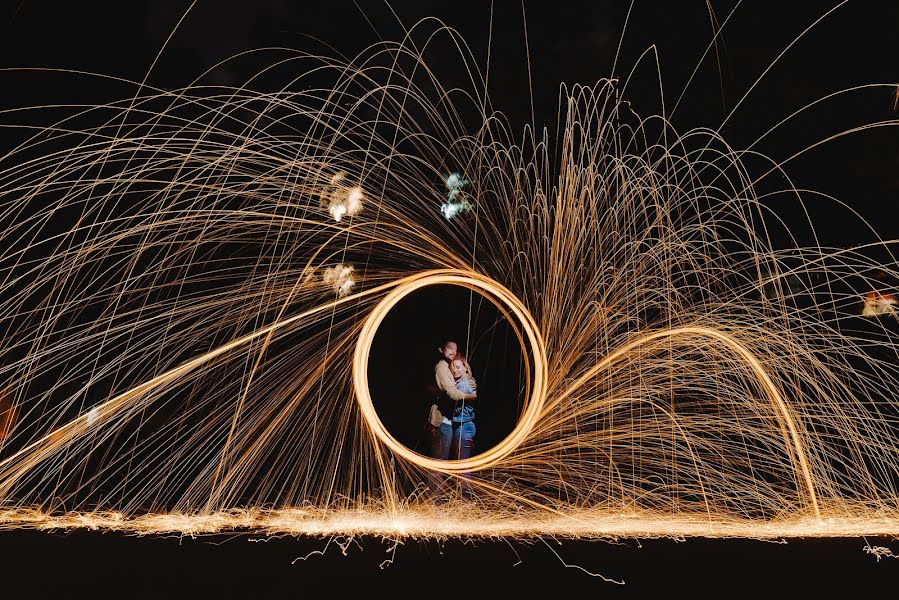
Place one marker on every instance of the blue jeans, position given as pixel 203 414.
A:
pixel 463 441
pixel 439 441
pixel 456 443
pixel 461 449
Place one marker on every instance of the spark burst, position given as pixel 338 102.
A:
pixel 175 358
pixel 340 277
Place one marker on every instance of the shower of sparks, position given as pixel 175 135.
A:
pixel 186 316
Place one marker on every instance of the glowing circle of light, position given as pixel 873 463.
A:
pixel 533 404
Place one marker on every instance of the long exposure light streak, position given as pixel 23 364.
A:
pixel 535 347
pixel 193 281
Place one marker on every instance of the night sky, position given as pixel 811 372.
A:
pixel 567 42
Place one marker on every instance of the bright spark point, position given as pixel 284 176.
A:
pixel 340 277
pixel 344 201
pixel 456 202
pixel 451 209
pixel 877 304
pixel 337 211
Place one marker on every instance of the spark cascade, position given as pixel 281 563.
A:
pixel 192 279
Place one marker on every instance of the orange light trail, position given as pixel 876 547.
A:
pixel 193 281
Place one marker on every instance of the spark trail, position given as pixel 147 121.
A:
pixel 192 280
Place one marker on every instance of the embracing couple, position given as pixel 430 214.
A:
pixel 451 427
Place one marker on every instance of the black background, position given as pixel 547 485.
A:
pixel 566 42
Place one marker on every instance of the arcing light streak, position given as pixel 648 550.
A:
pixel 794 442
pixel 532 407
pixel 13 467
pixel 187 313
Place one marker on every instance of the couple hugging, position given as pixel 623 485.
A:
pixel 457 391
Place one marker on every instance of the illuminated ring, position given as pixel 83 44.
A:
pixel 491 290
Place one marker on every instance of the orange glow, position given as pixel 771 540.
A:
pixel 191 354
pixel 876 304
